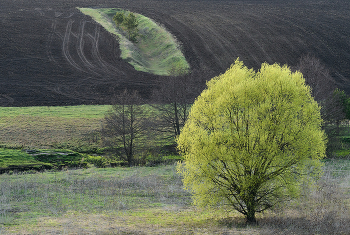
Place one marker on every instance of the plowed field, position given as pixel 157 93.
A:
pixel 51 54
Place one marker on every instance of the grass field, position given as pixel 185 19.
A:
pixel 50 127
pixel 150 200
pixel 29 160
pixel 64 130
pixel 74 127
pixel 54 126
pixel 136 200
pixel 10 157
pixel 156 51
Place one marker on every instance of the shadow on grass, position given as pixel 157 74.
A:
pixel 328 224
pixel 232 222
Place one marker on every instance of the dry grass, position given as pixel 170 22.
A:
pixel 324 209
pixel 43 132
pixel 147 200
pixel 68 127
pixel 44 127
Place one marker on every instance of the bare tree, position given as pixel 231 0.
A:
pixel 173 100
pixel 324 91
pixel 317 77
pixel 124 124
pixel 323 88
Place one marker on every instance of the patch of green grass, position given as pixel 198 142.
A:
pixel 156 51
pixel 14 160
pixel 342 152
pixel 13 157
pixel 76 128
pixel 64 127
pixel 79 111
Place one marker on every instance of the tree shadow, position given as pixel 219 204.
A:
pixel 329 223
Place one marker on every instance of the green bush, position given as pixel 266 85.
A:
pixel 97 161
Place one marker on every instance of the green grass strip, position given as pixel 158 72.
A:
pixel 11 157
pixel 157 51
pixel 79 111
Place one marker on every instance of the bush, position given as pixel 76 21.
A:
pixel 97 161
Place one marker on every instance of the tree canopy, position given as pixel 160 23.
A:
pixel 251 139
pixel 118 18
pixel 130 23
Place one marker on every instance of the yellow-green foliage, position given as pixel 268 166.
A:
pixel 251 139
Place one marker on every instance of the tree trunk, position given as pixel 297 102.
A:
pixel 251 208
pixel 131 129
pixel 251 220
pixel 177 123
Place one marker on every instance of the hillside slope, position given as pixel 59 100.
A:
pixel 52 54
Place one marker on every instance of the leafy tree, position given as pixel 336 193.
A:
pixel 118 18
pixel 344 101
pixel 130 23
pixel 251 140
pixel 341 105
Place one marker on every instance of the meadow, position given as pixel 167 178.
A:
pixel 135 200
pixel 151 200
pixel 39 138
pixel 49 127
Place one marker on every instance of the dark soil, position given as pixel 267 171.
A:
pixel 51 54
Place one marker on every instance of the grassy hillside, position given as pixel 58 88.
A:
pixel 68 133
pixel 79 111
pixel 156 51
pixel 50 127
pixel 55 127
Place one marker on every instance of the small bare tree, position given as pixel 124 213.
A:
pixel 124 124
pixel 317 77
pixel 324 91
pixel 173 100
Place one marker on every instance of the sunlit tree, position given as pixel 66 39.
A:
pixel 251 139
